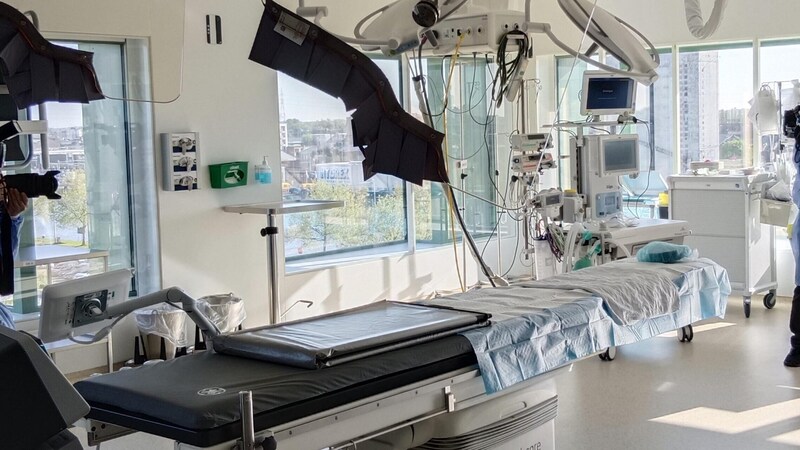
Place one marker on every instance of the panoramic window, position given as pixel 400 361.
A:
pixel 318 161
pixel 713 105
pixel 91 229
pixel 474 129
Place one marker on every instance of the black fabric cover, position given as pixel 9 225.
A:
pixel 194 399
pixel 36 401
pixel 346 335
pixel 37 71
pixel 393 142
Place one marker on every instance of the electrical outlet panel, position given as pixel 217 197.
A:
pixel 479 33
pixel 180 161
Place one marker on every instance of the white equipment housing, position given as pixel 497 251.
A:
pixel 597 178
pixel 532 163
pixel 482 32
pixel 530 142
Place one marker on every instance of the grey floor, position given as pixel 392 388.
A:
pixel 728 389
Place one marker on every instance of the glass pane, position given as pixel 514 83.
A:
pixel 568 94
pixel 472 136
pixel 654 105
pixel 779 65
pixel 714 125
pixel 318 161
pixel 88 145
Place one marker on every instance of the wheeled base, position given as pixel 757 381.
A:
pixel 685 334
pixel 770 299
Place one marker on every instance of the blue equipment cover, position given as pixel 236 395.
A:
pixel 537 330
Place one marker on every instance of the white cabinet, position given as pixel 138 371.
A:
pixel 724 215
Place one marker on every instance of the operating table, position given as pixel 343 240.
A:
pixel 452 392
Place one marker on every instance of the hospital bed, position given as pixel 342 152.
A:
pixel 486 387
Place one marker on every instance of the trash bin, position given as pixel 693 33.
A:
pixel 226 311
pixel 165 324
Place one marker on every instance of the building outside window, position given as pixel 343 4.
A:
pixel 718 83
pixel 318 161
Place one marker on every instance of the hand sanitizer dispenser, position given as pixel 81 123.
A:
pixel 263 172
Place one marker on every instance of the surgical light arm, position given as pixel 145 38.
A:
pixel 609 32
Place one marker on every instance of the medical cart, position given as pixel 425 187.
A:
pixel 723 212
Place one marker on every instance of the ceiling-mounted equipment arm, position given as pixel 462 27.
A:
pixel 609 32
pixel 694 18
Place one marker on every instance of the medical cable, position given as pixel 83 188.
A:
pixel 486 200
pixel 453 204
pixel 548 140
pixel 451 197
pixel 506 70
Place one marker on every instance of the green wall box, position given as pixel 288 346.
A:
pixel 228 175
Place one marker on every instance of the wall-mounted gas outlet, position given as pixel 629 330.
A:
pixel 180 161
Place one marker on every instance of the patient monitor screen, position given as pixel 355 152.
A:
pixel 608 95
pixel 620 155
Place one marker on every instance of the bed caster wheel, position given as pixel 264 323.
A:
pixel 609 354
pixel 770 300
pixel 747 307
pixel 686 334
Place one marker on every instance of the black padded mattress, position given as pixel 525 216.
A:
pixel 195 399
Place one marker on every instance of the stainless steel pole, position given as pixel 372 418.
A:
pixel 248 427
pixel 271 233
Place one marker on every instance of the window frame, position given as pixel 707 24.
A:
pixel 295 264
pixel 370 250
pixel 141 171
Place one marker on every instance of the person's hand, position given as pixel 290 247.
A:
pixel 17 202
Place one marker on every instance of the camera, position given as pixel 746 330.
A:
pixel 791 127
pixel 35 185
pixel 426 13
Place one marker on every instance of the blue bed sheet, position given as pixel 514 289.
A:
pixel 537 330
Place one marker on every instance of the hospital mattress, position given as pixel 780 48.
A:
pixel 194 399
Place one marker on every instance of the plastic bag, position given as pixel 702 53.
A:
pixel 663 252
pixel 165 321
pixel 226 311
pixel 780 191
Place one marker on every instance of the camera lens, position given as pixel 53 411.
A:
pixel 35 185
